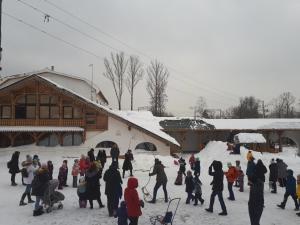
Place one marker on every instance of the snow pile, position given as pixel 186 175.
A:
pixel 187 214
pixel 248 138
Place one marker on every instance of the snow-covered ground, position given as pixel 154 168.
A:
pixel 12 214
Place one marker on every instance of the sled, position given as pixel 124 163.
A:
pixel 169 216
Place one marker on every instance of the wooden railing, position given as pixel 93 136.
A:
pixel 42 122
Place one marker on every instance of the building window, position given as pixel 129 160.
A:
pixel 77 113
pixel 5 112
pixel 48 107
pixel 72 139
pixel 50 140
pixel 25 107
pixel 68 112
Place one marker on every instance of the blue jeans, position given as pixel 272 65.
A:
pixel 156 187
pixel 212 200
pixel 37 202
pixel 231 194
pixel 28 189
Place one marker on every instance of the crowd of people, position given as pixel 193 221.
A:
pixel 88 171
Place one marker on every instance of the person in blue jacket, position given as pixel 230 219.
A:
pixel 290 190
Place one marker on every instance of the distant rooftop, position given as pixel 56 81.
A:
pixel 186 124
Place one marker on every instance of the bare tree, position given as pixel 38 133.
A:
pixel 156 86
pixel 284 105
pixel 134 75
pixel 115 71
pixel 200 107
pixel 247 108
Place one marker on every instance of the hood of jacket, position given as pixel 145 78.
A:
pixel 132 183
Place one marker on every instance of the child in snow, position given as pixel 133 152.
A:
pixel 81 192
pixel 192 161
pixel 198 191
pixel 50 169
pixel 231 176
pixel 63 171
pixel 75 172
pixel 178 180
pixel 122 214
pixel 182 165
pixel 240 180
pixel 189 186
pixel 66 174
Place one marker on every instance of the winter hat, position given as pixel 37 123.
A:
pixel 229 164
pixel 44 166
pixel 28 158
pixel 197 159
pixel 81 179
pixel 290 172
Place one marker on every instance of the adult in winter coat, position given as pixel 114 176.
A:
pixel 259 171
pixel 28 177
pixel 92 177
pixel 91 155
pixel 256 201
pixel 273 176
pixel 161 179
pixel 249 155
pixel 133 202
pixel 39 185
pixel 127 165
pixel 115 153
pixel 13 166
pixel 82 165
pixel 250 169
pixel 113 188
pixel 197 167
pixel 282 172
pixel 63 172
pixel 101 156
pixel 215 170
pixel 290 190
pixel 231 176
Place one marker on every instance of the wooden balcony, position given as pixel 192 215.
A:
pixel 42 122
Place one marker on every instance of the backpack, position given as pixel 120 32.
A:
pixel 24 172
pixel 8 164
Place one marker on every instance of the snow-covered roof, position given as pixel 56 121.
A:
pixel 39 129
pixel 254 124
pixel 248 138
pixel 144 120
pixel 76 85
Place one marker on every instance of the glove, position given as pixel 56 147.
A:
pixel 142 204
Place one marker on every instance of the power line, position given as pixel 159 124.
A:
pixel 68 25
pixel 53 36
pixel 80 48
pixel 216 91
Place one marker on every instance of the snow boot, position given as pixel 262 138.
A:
pixel 38 212
pixel 298 214
pixel 223 214
pixel 22 203
pixel 209 210
pixel 281 206
pixel 202 201
pixel 29 199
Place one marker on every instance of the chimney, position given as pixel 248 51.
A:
pixel 52 68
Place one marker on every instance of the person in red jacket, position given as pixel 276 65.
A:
pixel 132 201
pixel 231 176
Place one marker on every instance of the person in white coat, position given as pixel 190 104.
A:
pixel 28 174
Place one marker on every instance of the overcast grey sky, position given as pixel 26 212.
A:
pixel 219 49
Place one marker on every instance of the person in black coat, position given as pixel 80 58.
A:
pixel 115 153
pixel 256 201
pixel 217 186
pixel 189 186
pixel 91 155
pixel 273 177
pixel 182 165
pixel 113 188
pixel 50 169
pixel 92 177
pixel 13 166
pixel 39 185
pixel 259 171
pixel 197 167
pixel 127 165
pixel 101 156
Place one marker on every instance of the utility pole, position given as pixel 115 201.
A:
pixel 0 36
pixel 263 109
pixel 92 81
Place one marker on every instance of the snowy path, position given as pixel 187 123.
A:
pixel 12 214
